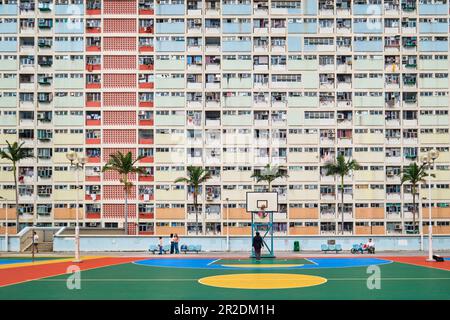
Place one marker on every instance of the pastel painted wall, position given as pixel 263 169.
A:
pixel 239 243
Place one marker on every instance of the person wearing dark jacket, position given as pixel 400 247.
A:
pixel 257 245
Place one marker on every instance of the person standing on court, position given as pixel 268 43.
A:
pixel 176 239
pixel 172 244
pixel 35 241
pixel 160 245
pixel 257 245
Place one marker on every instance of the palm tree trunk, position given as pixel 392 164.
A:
pixel 17 197
pixel 126 204
pixel 126 212
pixel 196 212
pixel 414 208
pixel 342 204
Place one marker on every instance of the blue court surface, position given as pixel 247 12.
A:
pixel 6 260
pixel 12 261
pixel 313 263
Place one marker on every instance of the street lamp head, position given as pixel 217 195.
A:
pixel 83 160
pixel 433 154
pixel 425 159
pixel 71 156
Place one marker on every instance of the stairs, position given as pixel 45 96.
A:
pixel 42 246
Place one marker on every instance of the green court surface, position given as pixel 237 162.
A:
pixel 170 281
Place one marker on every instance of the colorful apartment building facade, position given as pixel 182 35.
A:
pixel 230 85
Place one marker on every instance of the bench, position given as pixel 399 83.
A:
pixel 331 247
pixel 190 248
pixel 359 248
pixel 155 249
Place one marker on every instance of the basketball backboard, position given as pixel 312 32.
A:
pixel 262 201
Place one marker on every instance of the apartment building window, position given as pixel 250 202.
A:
pixel 319 115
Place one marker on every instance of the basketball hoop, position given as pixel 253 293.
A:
pixel 262 214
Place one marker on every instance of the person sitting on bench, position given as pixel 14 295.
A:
pixel 370 246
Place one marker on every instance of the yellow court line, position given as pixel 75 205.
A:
pixel 41 262
pixel 262 265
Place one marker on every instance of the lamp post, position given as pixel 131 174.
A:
pixel 77 163
pixel 228 226
pixel 6 223
pixel 428 160
pixel 421 225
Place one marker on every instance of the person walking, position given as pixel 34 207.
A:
pixel 257 245
pixel 172 244
pixel 176 239
pixel 35 241
pixel 160 245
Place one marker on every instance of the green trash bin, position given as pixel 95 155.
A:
pixel 296 246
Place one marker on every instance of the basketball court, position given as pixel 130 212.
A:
pixel 279 276
pixel 221 278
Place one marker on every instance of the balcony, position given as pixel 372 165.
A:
pixel 367 9
pixel 237 46
pixel 93 7
pixel 93 26
pixel 170 27
pixel 8 9
pixel 170 9
pixel 368 45
pixel 237 27
pixel 433 9
pixel 237 9
pixel 306 27
pixel 435 45
pixel 8 27
pixel 69 10
pixel 146 8
pixel 45 6
pixel 71 26
pixel 93 45
pixel 169 46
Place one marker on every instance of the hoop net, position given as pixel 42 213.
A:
pixel 262 214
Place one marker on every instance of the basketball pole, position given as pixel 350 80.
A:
pixel 259 202
pixel 269 232
pixel 253 235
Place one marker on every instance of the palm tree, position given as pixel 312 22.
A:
pixel 196 176
pixel 124 165
pixel 414 174
pixel 14 153
pixel 341 168
pixel 269 174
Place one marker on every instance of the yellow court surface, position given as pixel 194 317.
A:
pixel 262 265
pixel 262 281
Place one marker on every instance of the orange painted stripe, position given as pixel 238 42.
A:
pixel 34 272
pixel 421 261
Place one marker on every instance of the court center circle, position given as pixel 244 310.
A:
pixel 262 281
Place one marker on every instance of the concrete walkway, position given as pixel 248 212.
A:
pixel 281 254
